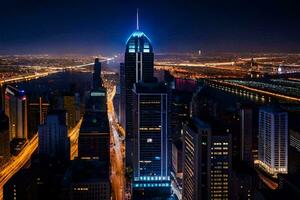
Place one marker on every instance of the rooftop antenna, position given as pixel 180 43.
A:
pixel 137 19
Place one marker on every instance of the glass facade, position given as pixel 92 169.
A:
pixel 150 130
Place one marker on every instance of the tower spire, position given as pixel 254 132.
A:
pixel 137 19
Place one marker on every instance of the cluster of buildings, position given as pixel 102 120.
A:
pixel 73 154
pixel 185 139
pixel 195 141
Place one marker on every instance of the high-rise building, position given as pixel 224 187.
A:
pixel 86 180
pixel 53 136
pixel 4 137
pixel 180 111
pixel 273 141
pixel 97 81
pixel 94 137
pixel 97 100
pixel 37 112
pixel 207 161
pixel 122 106
pixel 246 138
pixel 70 106
pixel 16 110
pixel 138 66
pixel 151 161
pixel 177 158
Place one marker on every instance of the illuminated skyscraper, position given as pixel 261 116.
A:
pixel 207 161
pixel 151 166
pixel 273 140
pixel 16 110
pixel 138 66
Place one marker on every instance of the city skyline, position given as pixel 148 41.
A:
pixel 58 27
pixel 140 124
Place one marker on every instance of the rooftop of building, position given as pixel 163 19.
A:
pixel 15 92
pixel 138 41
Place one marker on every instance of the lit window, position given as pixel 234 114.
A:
pixel 149 140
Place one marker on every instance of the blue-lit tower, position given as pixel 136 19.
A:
pixel 138 66
pixel 151 166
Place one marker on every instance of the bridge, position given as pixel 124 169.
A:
pixel 251 92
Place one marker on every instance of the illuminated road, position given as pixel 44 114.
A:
pixel 26 78
pixel 17 162
pixel 117 148
pixel 73 135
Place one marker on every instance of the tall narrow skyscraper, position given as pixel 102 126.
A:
pixel 151 164
pixel 16 110
pixel 273 141
pixel 246 122
pixel 138 66
pixel 97 81
pixel 4 138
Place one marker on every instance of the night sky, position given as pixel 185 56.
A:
pixel 90 26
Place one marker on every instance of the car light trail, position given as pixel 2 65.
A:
pixel 17 162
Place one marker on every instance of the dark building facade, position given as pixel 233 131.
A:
pixel 4 138
pixel 247 135
pixel 97 81
pixel 94 137
pixel 53 136
pixel 37 112
pixel 86 180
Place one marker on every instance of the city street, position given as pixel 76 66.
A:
pixel 117 146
